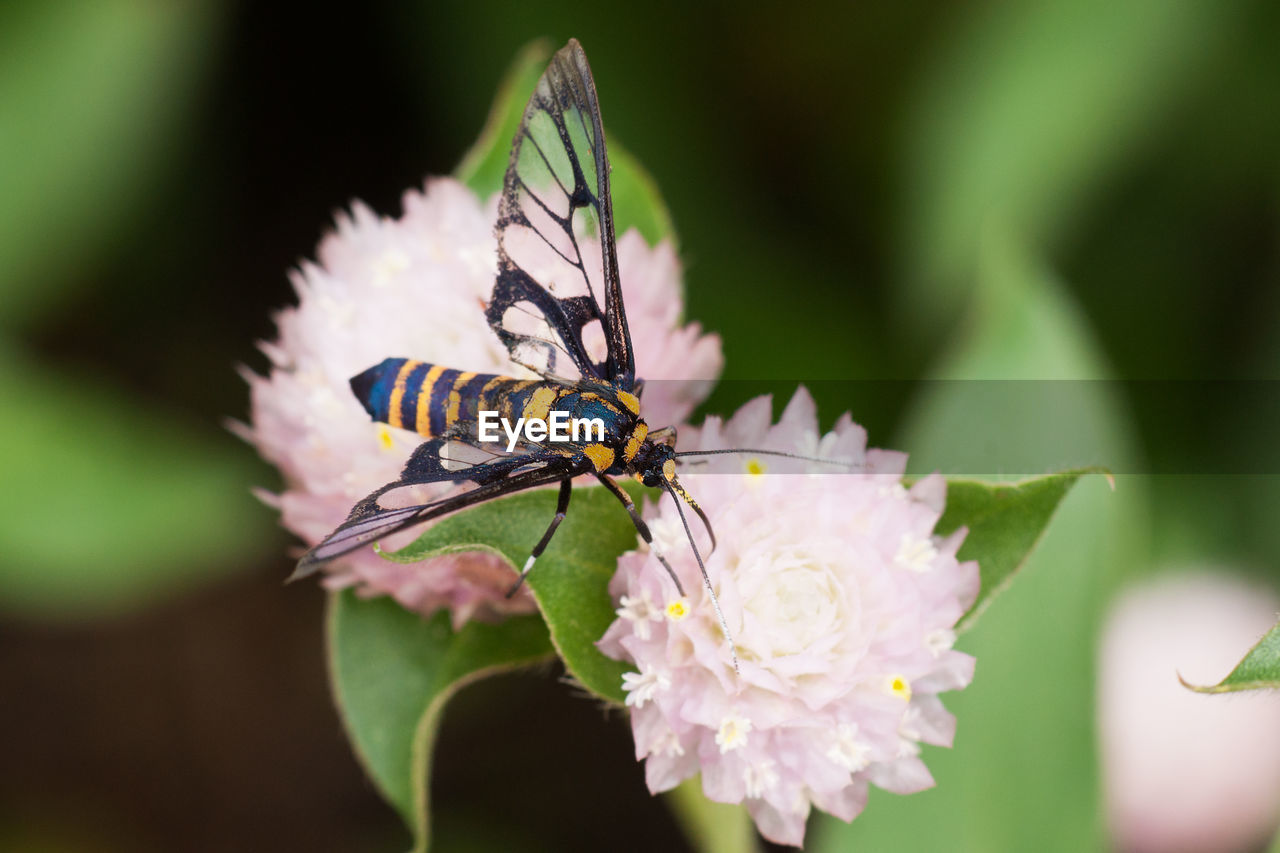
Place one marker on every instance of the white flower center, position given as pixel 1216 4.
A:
pixel 939 640
pixel 847 750
pixel 797 602
pixel 641 686
pixel 640 611
pixel 733 733
pixel 916 555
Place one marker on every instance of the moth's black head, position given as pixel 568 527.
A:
pixel 655 463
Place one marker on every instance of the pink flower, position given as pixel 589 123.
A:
pixel 1186 771
pixel 416 287
pixel 841 603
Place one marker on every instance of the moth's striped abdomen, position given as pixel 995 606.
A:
pixel 430 399
pixel 419 396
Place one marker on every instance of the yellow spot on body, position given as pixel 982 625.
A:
pixel 637 438
pixel 631 401
pixel 899 687
pixel 455 398
pixel 397 393
pixel 678 609
pixel 384 436
pixel 539 404
pixel 669 469
pixel 755 467
pixel 601 457
pixel 423 426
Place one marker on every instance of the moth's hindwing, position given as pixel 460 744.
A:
pixel 436 461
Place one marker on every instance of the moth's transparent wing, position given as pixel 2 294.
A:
pixel 557 302
pixel 436 461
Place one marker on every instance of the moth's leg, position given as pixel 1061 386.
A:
pixel 562 507
pixel 641 527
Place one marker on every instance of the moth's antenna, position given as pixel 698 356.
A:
pixel 845 462
pixel 706 522
pixel 671 487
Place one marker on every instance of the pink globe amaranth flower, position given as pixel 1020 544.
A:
pixel 1185 771
pixel 416 287
pixel 841 603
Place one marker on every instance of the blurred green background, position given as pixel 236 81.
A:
pixel 1069 189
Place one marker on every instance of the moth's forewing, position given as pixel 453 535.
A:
pixel 557 302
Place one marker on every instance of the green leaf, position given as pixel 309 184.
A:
pixel 571 579
pixel 637 203
pixel 92 99
pixel 106 506
pixel 1260 669
pixel 1005 522
pixel 392 673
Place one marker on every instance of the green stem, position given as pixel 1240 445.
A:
pixel 711 827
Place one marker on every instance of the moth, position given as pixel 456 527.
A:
pixel 555 213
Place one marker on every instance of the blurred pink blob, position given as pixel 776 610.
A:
pixel 1185 771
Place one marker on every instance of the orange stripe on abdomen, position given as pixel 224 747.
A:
pixel 397 392
pixel 423 425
